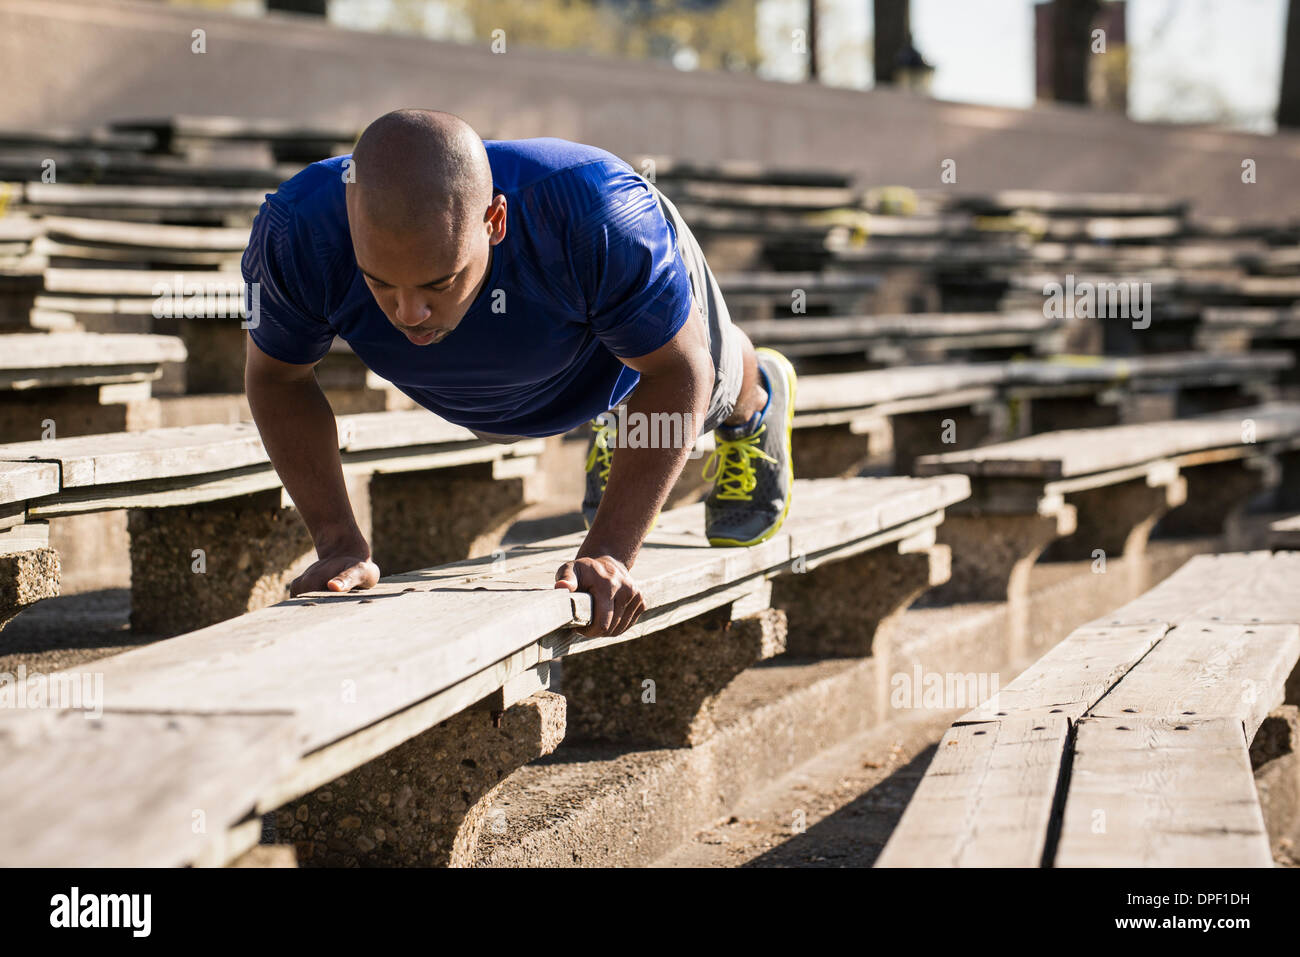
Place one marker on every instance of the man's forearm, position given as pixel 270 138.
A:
pixel 298 429
pixel 641 478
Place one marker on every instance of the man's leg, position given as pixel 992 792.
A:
pixel 753 393
pixel 752 467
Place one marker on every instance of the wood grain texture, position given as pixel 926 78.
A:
pixel 1162 792
pixel 1054 455
pixel 131 790
pixel 986 799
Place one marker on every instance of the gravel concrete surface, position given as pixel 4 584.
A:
pixel 836 810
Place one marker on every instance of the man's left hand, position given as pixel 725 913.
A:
pixel 616 602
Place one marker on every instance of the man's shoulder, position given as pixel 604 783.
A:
pixel 519 164
pixel 567 181
pixel 316 192
pixel 302 227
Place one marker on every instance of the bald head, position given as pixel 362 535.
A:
pixel 414 167
pixel 423 219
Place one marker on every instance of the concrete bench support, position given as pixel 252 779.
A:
pixel 829 451
pixel 991 558
pixel 1275 758
pixel 841 609
pixel 660 690
pixel 1054 413
pixel 846 609
pixel 924 433
pixel 29 569
pixel 1217 494
pixel 1288 491
pixel 92 410
pixel 424 803
pixel 1117 521
pixel 419 519
pixel 251 549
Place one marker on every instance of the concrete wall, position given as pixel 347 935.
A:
pixel 77 63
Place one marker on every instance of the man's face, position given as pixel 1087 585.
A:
pixel 424 280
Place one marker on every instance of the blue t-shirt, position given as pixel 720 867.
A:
pixel 588 271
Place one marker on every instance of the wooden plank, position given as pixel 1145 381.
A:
pixel 782 284
pixel 1177 367
pixel 169 453
pixel 1206 669
pixel 25 351
pixel 20 481
pixel 1269 594
pixel 876 387
pixel 1285 532
pixel 141 282
pixel 1162 792
pixel 863 420
pixel 145 236
pixel 986 799
pixel 1191 593
pixel 136 456
pixel 150 790
pixel 1054 455
pixel 455 621
pixel 1073 676
pixel 233 128
pixel 155 197
pixel 901 326
pixel 1113 204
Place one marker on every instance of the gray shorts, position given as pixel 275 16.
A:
pixel 724 338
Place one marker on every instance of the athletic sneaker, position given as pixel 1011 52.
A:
pixel 751 466
pixel 600 456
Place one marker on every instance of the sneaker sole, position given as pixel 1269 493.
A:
pixel 791 379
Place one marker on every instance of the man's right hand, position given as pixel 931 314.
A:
pixel 340 573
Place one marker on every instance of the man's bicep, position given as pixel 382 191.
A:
pixel 637 288
pixel 261 367
pixel 276 293
pixel 688 348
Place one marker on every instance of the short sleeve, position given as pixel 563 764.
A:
pixel 625 258
pixel 284 327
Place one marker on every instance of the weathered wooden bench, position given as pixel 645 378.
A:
pixel 78 383
pixel 1285 532
pixel 380 723
pixel 1128 744
pixel 1102 491
pixel 763 295
pixel 29 568
pixel 915 336
pixel 197 137
pixel 193 205
pixel 72 242
pixel 212 532
pixel 1071 203
pixel 1071 391
pixel 955 406
pixel 204 307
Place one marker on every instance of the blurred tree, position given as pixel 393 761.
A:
pixel 711 34
pixel 892 37
pixel 1288 101
pixel 814 73
pixel 316 7
pixel 1071 38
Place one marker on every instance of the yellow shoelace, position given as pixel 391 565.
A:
pixel 732 466
pixel 600 451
